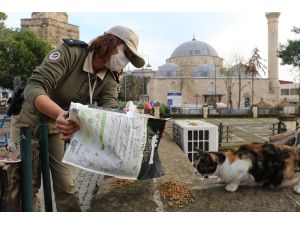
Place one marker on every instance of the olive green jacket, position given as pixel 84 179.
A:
pixel 62 78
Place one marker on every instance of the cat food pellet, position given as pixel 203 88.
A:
pixel 176 193
pixel 122 182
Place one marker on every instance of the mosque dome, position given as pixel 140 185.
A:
pixel 238 70
pixel 169 70
pixel 194 48
pixel 205 70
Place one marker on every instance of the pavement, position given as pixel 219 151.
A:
pixel 209 194
pixel 87 184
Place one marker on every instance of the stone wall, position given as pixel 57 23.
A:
pixel 58 16
pixel 189 87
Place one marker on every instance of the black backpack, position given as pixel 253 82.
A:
pixel 16 100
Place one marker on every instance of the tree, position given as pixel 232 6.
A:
pixel 130 88
pixel 228 75
pixel 253 67
pixel 3 17
pixel 236 59
pixel 20 52
pixel 290 53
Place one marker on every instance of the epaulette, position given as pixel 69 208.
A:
pixel 74 42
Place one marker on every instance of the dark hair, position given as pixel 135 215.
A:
pixel 105 44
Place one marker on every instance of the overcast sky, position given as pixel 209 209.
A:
pixel 161 32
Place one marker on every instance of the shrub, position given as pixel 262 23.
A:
pixel 164 109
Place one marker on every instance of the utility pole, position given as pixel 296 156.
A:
pixel 125 84
pixel 197 96
pixel 215 98
pixel 143 75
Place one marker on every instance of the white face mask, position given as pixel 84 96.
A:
pixel 117 62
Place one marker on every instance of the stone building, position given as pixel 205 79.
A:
pixel 192 75
pixel 52 27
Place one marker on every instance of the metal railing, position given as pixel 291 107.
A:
pixel 228 111
pixel 26 167
pixel 186 111
pixel 239 133
pixel 275 111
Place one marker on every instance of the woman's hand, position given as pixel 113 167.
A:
pixel 49 108
pixel 65 127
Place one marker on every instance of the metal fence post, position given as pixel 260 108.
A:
pixel 26 169
pixel 220 134
pixel 273 128
pixel 227 133
pixel 43 139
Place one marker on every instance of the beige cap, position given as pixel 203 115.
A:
pixel 131 40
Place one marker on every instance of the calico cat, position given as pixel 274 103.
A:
pixel 252 164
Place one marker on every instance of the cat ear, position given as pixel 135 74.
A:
pixel 200 151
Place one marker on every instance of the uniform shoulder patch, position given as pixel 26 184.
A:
pixel 55 55
pixel 74 42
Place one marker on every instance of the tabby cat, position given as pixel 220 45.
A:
pixel 252 164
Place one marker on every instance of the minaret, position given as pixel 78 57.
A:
pixel 274 88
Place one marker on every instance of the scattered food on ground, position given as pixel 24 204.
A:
pixel 122 182
pixel 176 193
